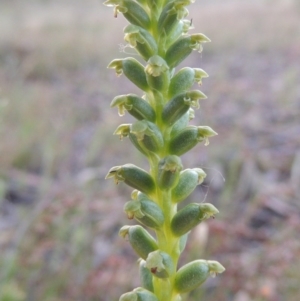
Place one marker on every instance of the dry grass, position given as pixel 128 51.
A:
pixel 56 146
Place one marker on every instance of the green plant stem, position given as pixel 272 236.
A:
pixel 167 242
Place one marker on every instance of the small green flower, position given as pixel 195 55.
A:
pixel 188 181
pixel 141 40
pixel 193 274
pixel 131 10
pixel 160 264
pixel 141 241
pixel 184 80
pixel 132 69
pixel 132 176
pixel 183 47
pixel 157 73
pixel 190 137
pixel 180 104
pixel 136 106
pixel 190 216
pixel 168 172
pixel 146 212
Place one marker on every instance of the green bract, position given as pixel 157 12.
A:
pixel 158 32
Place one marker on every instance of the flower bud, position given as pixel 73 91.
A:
pixel 157 73
pixel 132 176
pixel 141 40
pixel 146 276
pixel 146 212
pixel 184 80
pixel 188 181
pixel 132 69
pixel 147 135
pixel 131 10
pixel 193 274
pixel 189 137
pixel 141 241
pixel 183 47
pixel 180 104
pixel 168 172
pixel 160 264
pixel 190 216
pixel 138 294
pixel 136 106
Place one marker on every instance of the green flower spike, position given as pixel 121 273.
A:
pixel 161 132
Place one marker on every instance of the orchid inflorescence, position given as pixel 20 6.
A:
pixel 158 31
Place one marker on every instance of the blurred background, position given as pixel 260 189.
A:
pixel 59 219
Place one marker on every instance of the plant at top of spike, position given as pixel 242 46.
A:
pixel 158 31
